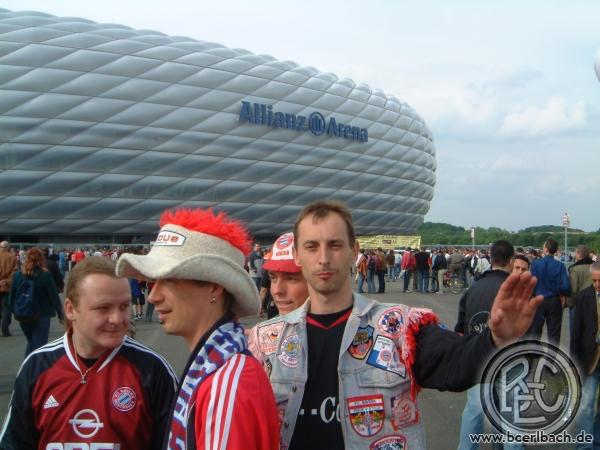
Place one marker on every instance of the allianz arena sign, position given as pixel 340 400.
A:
pixel 261 114
pixel 102 127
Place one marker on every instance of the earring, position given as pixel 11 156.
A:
pixel 212 300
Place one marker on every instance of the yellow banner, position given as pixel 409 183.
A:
pixel 388 241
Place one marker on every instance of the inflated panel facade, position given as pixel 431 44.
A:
pixel 102 127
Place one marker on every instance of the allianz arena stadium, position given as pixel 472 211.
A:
pixel 102 127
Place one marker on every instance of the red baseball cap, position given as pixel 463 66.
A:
pixel 282 258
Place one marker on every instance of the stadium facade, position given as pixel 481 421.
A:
pixel 102 127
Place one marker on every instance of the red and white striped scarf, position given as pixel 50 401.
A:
pixel 224 342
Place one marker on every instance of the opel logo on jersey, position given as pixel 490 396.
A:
pixel 86 423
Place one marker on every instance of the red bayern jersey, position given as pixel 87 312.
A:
pixel 235 409
pixel 121 403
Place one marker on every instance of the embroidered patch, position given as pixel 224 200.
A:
pixel 385 356
pixel 391 322
pixel 289 351
pixel 268 336
pixel 362 342
pixel 367 414
pixel 169 238
pixel 404 411
pixel 124 398
pixel 396 442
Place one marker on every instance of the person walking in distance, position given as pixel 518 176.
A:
pixel 8 266
pixel 408 268
pixel 34 282
pixel 554 285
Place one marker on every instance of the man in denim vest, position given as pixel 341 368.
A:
pixel 346 370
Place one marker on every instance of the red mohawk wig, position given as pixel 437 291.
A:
pixel 205 221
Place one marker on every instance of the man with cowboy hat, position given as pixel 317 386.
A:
pixel 200 289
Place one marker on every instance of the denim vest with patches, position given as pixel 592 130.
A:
pixel 377 393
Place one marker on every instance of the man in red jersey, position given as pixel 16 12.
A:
pixel 94 387
pixel 200 288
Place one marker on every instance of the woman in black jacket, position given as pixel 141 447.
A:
pixel 46 302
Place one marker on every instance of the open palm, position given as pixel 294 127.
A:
pixel 514 308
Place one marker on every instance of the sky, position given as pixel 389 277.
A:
pixel 508 88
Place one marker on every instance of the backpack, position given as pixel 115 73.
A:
pixel 372 264
pixel 25 309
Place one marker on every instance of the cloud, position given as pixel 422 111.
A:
pixel 518 78
pixel 555 117
pixel 466 100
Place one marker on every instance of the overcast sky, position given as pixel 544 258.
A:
pixel 508 88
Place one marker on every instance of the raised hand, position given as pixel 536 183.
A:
pixel 513 308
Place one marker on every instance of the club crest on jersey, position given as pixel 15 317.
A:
pixel 404 411
pixel 385 356
pixel 289 351
pixel 391 322
pixel 268 336
pixel 367 414
pixel 124 398
pixel 396 442
pixel 362 342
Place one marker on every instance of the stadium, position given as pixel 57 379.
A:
pixel 102 127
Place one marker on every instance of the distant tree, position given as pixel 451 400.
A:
pixel 446 234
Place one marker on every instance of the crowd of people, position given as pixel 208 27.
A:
pixel 328 368
pixel 428 270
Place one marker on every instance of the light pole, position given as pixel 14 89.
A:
pixel 566 223
pixel 473 238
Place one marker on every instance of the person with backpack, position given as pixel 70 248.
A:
pixel 372 263
pixel 34 300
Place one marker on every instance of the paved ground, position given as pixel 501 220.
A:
pixel 441 411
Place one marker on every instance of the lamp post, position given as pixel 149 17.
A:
pixel 566 223
pixel 473 238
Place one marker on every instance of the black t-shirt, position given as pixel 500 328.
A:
pixel 318 425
